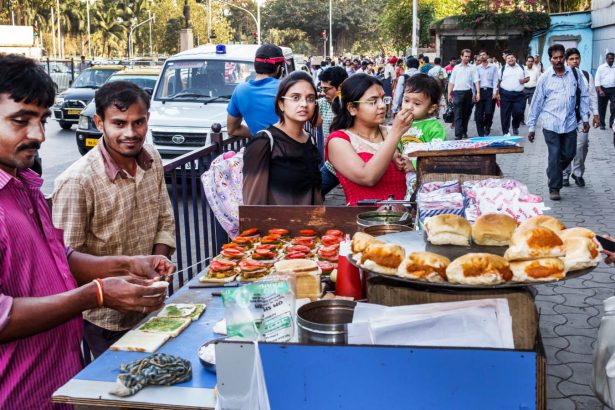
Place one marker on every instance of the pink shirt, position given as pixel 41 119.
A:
pixel 33 263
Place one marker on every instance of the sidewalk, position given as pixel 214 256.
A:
pixel 570 311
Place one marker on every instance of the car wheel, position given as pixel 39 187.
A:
pixel 65 125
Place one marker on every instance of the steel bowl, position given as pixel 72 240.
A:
pixel 325 321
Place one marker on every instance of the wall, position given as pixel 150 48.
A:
pixel 603 23
pixel 569 29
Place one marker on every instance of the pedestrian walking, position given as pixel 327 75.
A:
pixel 451 65
pixel 463 88
pixel 605 86
pixel 426 65
pixel 254 99
pixel 485 107
pixel 576 169
pixel 533 72
pixel 330 82
pixel 561 100
pixel 512 100
pixel 413 68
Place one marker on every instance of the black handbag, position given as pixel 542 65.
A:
pixel 449 114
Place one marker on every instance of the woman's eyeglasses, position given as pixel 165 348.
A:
pixel 374 101
pixel 295 99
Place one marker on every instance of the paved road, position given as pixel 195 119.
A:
pixel 58 152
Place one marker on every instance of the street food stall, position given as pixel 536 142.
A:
pixel 489 271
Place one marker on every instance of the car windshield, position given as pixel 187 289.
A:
pixel 143 81
pixel 92 78
pixel 202 80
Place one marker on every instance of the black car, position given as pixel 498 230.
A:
pixel 87 133
pixel 71 102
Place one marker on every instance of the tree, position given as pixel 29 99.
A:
pixel 396 20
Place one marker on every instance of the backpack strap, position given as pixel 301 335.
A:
pixel 577 105
pixel 586 74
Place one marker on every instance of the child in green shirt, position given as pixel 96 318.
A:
pixel 422 96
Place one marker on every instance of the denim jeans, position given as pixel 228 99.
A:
pixel 562 148
pixel 329 180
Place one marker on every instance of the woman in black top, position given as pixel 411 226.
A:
pixel 284 169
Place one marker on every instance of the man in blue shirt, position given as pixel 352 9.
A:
pixel 485 107
pixel 254 99
pixel 561 100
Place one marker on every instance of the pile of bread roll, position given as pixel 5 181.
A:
pixel 540 249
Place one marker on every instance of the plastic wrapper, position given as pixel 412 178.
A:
pixel 261 311
pixel 500 196
pixel 435 198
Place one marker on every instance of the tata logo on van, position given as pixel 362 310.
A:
pixel 178 139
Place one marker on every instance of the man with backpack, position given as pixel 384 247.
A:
pixel 512 99
pixel 561 99
pixel 576 168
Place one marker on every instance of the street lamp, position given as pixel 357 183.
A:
pixel 331 29
pixel 132 28
pixel 257 20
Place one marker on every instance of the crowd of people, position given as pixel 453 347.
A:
pixel 354 99
pixel 111 231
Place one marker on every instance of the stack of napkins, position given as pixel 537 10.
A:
pixel 484 323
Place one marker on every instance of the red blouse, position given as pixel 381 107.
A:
pixel 393 182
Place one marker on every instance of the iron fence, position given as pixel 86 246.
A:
pixel 199 236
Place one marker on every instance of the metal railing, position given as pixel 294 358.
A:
pixel 198 235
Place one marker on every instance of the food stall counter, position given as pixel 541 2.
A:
pixel 92 385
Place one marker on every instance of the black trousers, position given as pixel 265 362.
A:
pixel 98 338
pixel 512 104
pixel 462 107
pixel 562 148
pixel 609 97
pixel 483 113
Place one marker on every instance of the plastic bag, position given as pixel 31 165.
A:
pixel 449 114
pixel 262 311
pixel 603 381
pixel 256 397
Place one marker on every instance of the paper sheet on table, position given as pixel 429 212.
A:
pixel 472 323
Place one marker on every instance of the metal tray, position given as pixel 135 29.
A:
pixel 415 241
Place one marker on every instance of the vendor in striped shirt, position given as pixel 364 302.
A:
pixel 45 286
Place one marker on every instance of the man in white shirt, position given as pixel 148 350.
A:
pixel 576 168
pixel 533 72
pixel 605 86
pixel 512 100
pixel 462 85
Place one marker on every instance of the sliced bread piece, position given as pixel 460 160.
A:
pixel 137 341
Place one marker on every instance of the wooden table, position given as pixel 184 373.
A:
pixel 480 161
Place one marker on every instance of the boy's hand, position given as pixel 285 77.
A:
pixel 401 163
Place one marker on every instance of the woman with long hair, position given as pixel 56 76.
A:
pixel 281 163
pixel 360 148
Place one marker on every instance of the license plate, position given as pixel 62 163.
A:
pixel 73 112
pixel 91 142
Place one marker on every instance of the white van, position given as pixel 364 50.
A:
pixel 193 91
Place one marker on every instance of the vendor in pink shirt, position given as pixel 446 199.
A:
pixel 362 150
pixel 44 286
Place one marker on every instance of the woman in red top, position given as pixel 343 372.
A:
pixel 361 149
